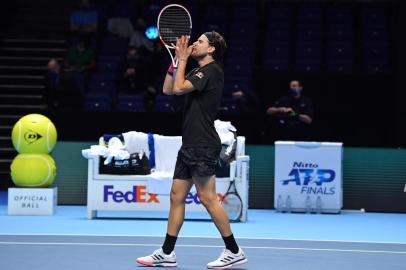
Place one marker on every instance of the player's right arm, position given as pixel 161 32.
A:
pixel 169 80
pixel 168 84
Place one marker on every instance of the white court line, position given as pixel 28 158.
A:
pixel 202 236
pixel 206 246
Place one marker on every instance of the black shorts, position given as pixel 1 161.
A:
pixel 196 162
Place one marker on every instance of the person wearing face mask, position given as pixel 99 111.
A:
pixel 293 114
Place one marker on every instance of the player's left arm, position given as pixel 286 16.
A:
pixel 182 86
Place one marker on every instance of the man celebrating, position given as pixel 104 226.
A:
pixel 196 161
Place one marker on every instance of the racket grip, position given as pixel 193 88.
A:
pixel 171 69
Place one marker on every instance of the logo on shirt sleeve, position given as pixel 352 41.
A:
pixel 200 75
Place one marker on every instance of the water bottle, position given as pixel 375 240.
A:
pixel 288 204
pixel 318 205
pixel 279 204
pixel 308 205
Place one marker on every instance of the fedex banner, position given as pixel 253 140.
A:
pixel 308 176
pixel 133 195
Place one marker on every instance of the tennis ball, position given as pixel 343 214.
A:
pixel 33 170
pixel 34 133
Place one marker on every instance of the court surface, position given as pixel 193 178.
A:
pixel 119 252
pixel 351 240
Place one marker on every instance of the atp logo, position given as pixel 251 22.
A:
pixel 31 136
pixel 311 178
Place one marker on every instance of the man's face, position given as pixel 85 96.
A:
pixel 201 47
pixel 295 89
pixel 53 65
pixel 295 85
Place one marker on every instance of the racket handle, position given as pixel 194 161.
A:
pixel 171 69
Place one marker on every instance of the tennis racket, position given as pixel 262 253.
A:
pixel 174 21
pixel 232 203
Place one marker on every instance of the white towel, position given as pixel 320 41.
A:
pixel 115 150
pixel 94 151
pixel 160 183
pixel 166 152
pixel 224 130
pixel 136 141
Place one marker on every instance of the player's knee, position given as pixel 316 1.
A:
pixel 177 197
pixel 207 198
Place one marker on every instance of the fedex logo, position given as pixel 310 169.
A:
pixel 193 198
pixel 137 195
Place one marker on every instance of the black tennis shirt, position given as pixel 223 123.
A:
pixel 201 106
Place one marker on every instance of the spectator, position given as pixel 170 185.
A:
pixel 293 114
pixel 61 91
pixel 245 100
pixel 131 75
pixel 138 38
pixel 80 58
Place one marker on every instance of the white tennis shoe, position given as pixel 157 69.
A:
pixel 228 259
pixel 159 258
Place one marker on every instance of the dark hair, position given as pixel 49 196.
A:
pixel 218 42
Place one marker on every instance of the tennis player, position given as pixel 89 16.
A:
pixel 200 149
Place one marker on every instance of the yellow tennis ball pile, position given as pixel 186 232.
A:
pixel 33 136
pixel 33 170
pixel 34 133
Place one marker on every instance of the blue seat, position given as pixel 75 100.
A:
pixel 308 50
pixel 130 103
pixel 309 15
pixel 340 65
pixel 340 32
pixel 339 15
pixel 163 103
pixel 280 15
pixel 309 32
pixel 374 34
pixel 114 46
pixel 79 81
pixel 339 50
pixel 377 66
pixel 276 65
pixel 373 17
pixel 107 66
pixel 308 65
pixel 102 84
pixel 279 34
pixel 97 104
pixel 278 50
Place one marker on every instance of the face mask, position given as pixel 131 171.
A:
pixel 294 92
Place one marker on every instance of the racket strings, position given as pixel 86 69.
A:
pixel 173 23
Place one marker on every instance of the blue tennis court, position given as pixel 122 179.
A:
pixel 119 252
pixel 68 240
